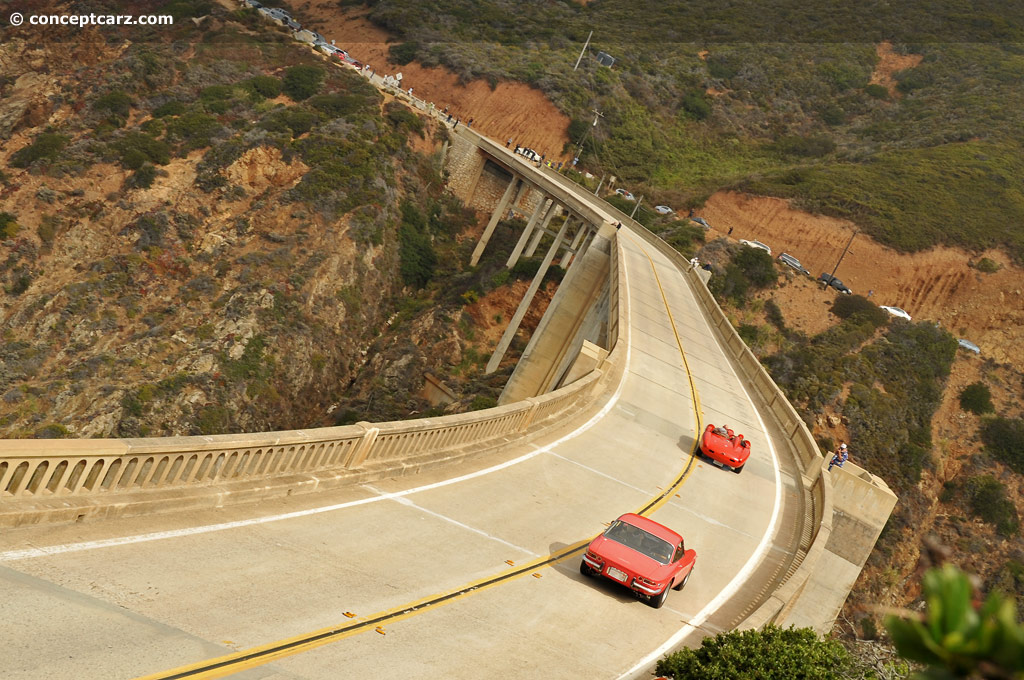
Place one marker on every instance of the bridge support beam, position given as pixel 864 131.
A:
pixel 525 236
pixel 578 312
pixel 524 304
pixel 574 246
pixel 497 215
pixel 539 233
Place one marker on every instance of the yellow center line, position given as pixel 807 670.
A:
pixel 229 664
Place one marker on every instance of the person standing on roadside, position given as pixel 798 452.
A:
pixel 839 457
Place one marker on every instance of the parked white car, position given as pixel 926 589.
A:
pixel 969 346
pixel 625 194
pixel 756 244
pixel 663 210
pixel 896 311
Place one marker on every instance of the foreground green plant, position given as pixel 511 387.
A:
pixel 957 638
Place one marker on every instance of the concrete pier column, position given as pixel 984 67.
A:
pixel 524 237
pixel 539 233
pixel 524 304
pixel 499 212
pixel 573 247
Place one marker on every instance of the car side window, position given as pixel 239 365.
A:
pixel 679 552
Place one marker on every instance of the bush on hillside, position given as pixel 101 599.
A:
pixel 302 82
pixel 977 399
pixel 847 306
pixel 773 652
pixel 757 266
pixel 8 225
pixel 46 146
pixel 987 498
pixel 263 86
pixel 1004 439
pixel 403 53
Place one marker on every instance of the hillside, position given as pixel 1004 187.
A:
pixel 212 229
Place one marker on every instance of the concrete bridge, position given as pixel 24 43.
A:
pixel 448 547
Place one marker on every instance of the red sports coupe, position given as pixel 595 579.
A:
pixel 642 555
pixel 725 448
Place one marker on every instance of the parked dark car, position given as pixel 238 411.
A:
pixel 835 283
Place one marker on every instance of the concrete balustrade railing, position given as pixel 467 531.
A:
pixel 103 472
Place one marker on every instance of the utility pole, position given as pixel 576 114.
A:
pixel 603 175
pixel 637 207
pixel 582 52
pixel 579 146
pixel 841 256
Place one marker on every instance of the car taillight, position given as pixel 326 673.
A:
pixel 647 581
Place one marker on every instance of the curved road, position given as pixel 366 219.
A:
pixel 465 573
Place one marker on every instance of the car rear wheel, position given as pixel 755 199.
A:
pixel 739 469
pixel 586 570
pixel 657 601
pixel 682 584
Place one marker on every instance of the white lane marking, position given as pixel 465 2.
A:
pixel 601 474
pixel 748 568
pixel 28 553
pixel 420 508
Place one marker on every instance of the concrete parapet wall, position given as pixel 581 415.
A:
pixel 66 480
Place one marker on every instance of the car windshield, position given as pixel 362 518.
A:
pixel 643 542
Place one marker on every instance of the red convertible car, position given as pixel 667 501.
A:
pixel 642 555
pixel 725 448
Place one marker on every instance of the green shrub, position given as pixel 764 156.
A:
pixel 987 265
pixel 415 250
pixel 171 108
pixel 302 82
pixel 117 103
pixel 402 118
pixel 336 104
pixel 193 130
pixel 402 53
pixel 876 91
pixel 143 177
pixel 8 225
pixel 696 104
pixel 812 147
pixel 977 399
pixel 481 402
pixel 294 120
pixel 757 266
pixel 45 146
pixel 213 419
pixel 263 86
pixel 136 148
pixel 846 306
pixel 770 653
pixel 52 431
pixel 1004 439
pixel 987 498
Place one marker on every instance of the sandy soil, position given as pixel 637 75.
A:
pixel 510 110
pixel 889 63
pixel 938 285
